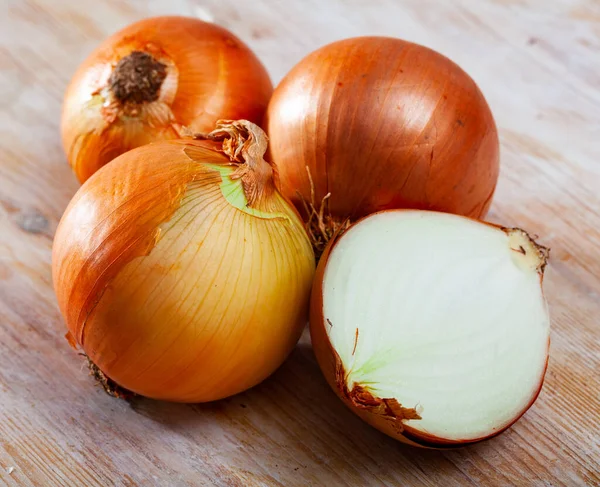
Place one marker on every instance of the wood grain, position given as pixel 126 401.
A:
pixel 538 64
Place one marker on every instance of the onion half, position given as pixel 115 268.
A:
pixel 181 272
pixel 432 327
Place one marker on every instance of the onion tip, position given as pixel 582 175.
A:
pixel 527 252
pixel 245 143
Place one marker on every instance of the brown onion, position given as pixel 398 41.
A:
pixel 148 80
pixel 381 123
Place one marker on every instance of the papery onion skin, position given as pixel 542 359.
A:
pixel 210 75
pixel 381 123
pixel 171 290
pixel 357 401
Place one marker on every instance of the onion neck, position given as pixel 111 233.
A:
pixel 137 78
pixel 246 143
pixel 527 253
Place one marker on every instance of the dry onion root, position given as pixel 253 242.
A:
pixel 320 225
pixel 375 123
pixel 432 327
pixel 181 271
pixel 151 81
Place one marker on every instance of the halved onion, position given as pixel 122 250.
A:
pixel 432 327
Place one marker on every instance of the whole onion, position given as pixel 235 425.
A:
pixel 181 271
pixel 374 123
pixel 153 80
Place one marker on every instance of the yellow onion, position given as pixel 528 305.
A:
pixel 148 80
pixel 182 272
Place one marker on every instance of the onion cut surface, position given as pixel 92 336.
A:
pixel 432 327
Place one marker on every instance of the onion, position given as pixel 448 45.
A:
pixel 432 327
pixel 379 123
pixel 182 275
pixel 153 77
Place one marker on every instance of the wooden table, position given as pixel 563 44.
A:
pixel 538 63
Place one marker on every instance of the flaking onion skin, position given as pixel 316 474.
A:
pixel 381 123
pixel 206 74
pixel 386 414
pixel 172 290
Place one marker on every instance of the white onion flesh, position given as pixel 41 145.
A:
pixel 442 313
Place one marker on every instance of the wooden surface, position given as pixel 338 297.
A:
pixel 538 63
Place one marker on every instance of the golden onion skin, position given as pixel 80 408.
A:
pixel 210 74
pixel 172 290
